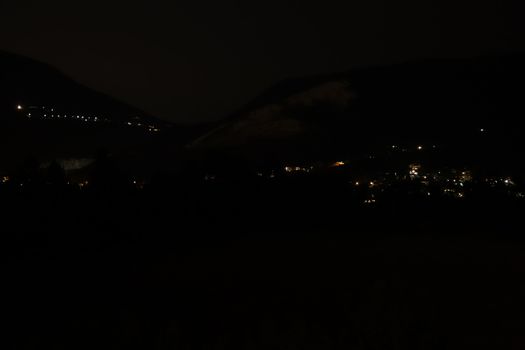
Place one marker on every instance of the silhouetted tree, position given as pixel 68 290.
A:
pixel 105 176
pixel 29 173
pixel 56 176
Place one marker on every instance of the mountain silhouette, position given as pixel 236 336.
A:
pixel 473 104
pixel 46 114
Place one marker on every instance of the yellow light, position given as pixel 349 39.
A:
pixel 338 164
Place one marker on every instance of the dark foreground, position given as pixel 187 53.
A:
pixel 254 266
pixel 322 290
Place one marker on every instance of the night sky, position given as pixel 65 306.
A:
pixel 191 61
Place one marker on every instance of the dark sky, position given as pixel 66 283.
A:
pixel 196 60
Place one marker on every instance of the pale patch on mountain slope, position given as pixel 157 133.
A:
pixel 337 93
pixel 274 122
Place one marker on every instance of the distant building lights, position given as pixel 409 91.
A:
pixel 414 170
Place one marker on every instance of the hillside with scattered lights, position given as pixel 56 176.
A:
pixel 54 114
pixel 424 142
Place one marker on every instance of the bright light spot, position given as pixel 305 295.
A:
pixel 83 184
pixel 338 164
pixel 419 148
pixel 482 130
pixel 414 170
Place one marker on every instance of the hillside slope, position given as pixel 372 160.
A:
pixel 453 102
